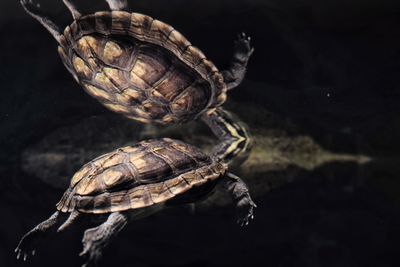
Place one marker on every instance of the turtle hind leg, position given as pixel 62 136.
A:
pixel 71 219
pixel 34 10
pixel 97 238
pixel 241 197
pixel 242 52
pixel 28 241
pixel 72 8
pixel 118 4
pixel 235 140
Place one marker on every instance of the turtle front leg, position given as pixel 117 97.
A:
pixel 28 241
pixel 34 10
pixel 118 4
pixel 235 141
pixel 241 197
pixel 235 74
pixel 72 8
pixel 97 238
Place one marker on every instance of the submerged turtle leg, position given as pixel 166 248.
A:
pixel 118 4
pixel 35 11
pixel 95 239
pixel 241 197
pixel 235 140
pixel 72 8
pixel 235 74
pixel 28 241
pixel 71 219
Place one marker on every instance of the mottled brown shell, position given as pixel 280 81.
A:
pixel 138 176
pixel 141 67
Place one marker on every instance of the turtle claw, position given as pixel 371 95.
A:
pixel 21 254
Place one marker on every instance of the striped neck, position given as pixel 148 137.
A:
pixel 235 140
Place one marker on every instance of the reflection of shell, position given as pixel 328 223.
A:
pixel 138 176
pixel 113 54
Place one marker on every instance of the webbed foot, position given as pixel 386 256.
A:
pixel 35 11
pixel 29 240
pixel 25 247
pixel 97 238
pixel 92 247
pixel 30 6
pixel 243 48
pixel 246 208
pixel 241 197
pixel 234 75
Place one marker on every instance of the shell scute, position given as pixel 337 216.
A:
pixel 112 52
pixel 194 55
pixel 96 92
pixel 149 69
pixel 117 77
pixel 120 200
pixel 82 68
pixel 193 99
pixel 134 96
pixel 103 80
pixel 102 203
pixel 178 41
pixel 160 31
pixel 120 22
pixel 118 108
pixel 174 84
pixel 87 25
pixel 155 109
pixel 103 22
pixel 137 81
pixel 140 25
pixel 115 176
pixel 74 30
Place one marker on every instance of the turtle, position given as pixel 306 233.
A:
pixel 134 182
pixel 146 70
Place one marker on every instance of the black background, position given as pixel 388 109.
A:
pixel 332 67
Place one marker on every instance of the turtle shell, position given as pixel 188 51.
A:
pixel 140 67
pixel 148 173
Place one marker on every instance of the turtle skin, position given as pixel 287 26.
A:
pixel 140 67
pixel 140 176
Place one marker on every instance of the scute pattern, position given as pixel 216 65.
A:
pixel 150 172
pixel 114 53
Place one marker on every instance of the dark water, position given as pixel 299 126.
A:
pixel 329 69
